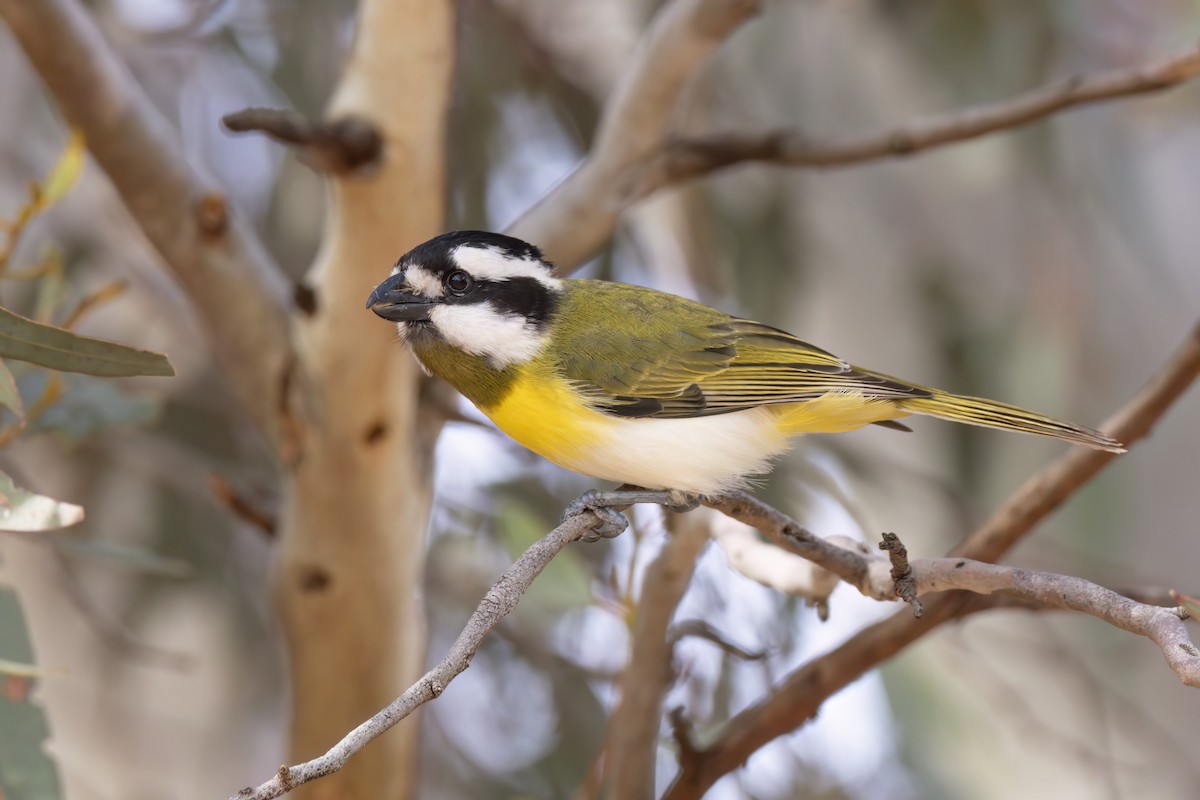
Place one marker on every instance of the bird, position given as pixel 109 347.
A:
pixel 628 384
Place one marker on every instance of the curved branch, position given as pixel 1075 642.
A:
pixel 685 159
pixel 571 222
pixel 237 290
pixel 1163 626
pixel 803 692
pixel 495 605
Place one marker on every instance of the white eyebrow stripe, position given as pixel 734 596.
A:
pixel 486 263
pixel 422 281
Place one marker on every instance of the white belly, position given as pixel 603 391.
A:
pixel 706 455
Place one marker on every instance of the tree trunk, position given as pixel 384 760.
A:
pixel 351 549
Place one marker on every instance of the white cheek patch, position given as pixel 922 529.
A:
pixel 487 264
pixel 422 281
pixel 480 329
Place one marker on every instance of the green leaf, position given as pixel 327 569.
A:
pixel 88 406
pixel 26 512
pixel 133 558
pixel 10 397
pixel 26 771
pixel 59 349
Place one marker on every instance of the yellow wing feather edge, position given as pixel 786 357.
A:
pixel 992 414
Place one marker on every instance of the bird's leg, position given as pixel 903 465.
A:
pixel 607 506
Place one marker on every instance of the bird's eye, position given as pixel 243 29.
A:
pixel 458 282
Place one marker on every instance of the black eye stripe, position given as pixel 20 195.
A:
pixel 525 297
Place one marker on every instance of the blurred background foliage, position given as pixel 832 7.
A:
pixel 1052 266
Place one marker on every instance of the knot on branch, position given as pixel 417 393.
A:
pixel 902 575
pixel 339 146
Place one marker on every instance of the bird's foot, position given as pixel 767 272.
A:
pixel 607 507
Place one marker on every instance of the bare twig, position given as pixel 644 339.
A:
pixel 242 507
pixel 852 566
pixel 236 288
pixel 632 741
pixel 345 144
pixel 1163 626
pixel 802 693
pixel 495 605
pixel 699 629
pixel 685 159
pixel 570 222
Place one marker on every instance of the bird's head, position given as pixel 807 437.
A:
pixel 485 293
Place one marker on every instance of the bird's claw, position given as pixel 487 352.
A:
pixel 683 502
pixel 610 523
pixel 607 507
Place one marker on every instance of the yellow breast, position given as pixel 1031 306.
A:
pixel 545 415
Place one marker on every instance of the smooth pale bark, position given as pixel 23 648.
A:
pixel 348 577
pixel 351 550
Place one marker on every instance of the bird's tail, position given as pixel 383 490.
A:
pixel 990 414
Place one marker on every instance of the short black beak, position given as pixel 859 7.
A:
pixel 393 301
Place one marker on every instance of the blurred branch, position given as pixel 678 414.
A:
pixel 571 221
pixel 338 145
pixel 850 564
pixel 699 629
pixel 236 288
pixel 495 605
pixel 632 740
pixel 588 43
pixel 804 690
pixel 241 506
pixel 685 159
pixel 774 567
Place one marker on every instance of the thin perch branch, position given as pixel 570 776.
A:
pixel 1163 626
pixel 685 159
pixel 804 690
pixel 495 605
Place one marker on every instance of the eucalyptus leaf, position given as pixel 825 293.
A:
pixel 137 559
pixel 56 348
pixel 10 397
pixel 88 406
pixel 24 511
pixel 26 771
pixel 18 669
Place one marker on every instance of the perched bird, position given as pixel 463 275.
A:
pixel 629 384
